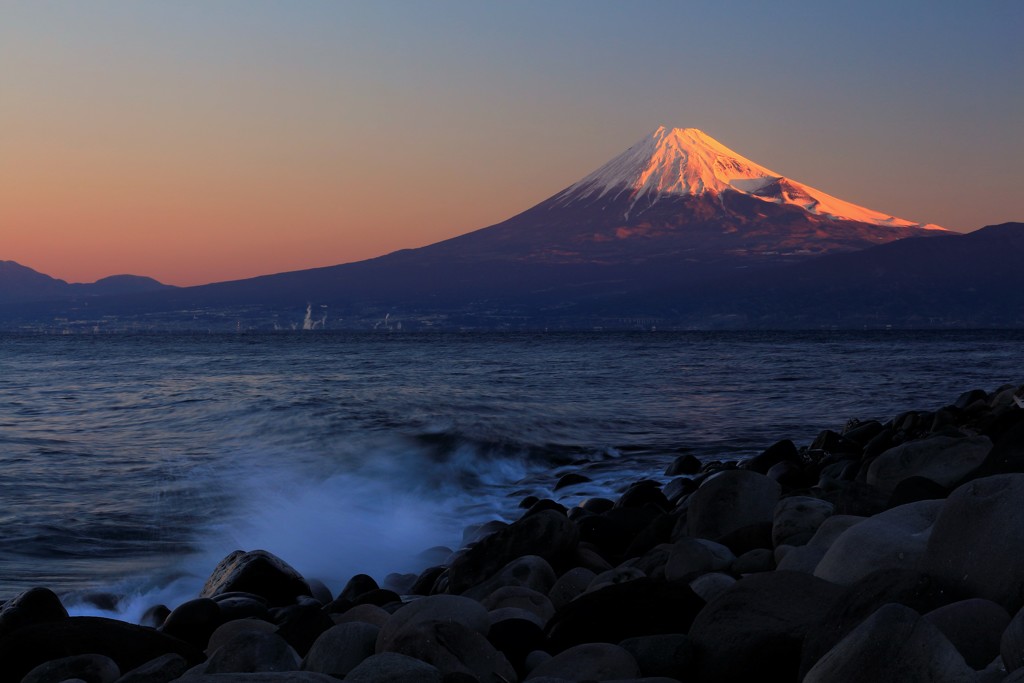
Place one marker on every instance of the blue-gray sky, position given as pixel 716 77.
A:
pixel 197 141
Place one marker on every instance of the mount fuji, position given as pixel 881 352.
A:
pixel 678 231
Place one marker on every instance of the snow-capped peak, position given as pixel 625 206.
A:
pixel 688 161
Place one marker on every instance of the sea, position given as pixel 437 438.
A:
pixel 131 464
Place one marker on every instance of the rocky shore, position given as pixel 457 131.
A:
pixel 881 552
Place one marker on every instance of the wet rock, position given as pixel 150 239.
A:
pixel 341 648
pixel 391 667
pixel 257 572
pixel 916 590
pixel 369 614
pixel 730 502
pixel 753 562
pixel 570 479
pixel 978 539
pixel 516 632
pixel 1011 645
pixel 547 534
pixel 452 648
pixel 301 625
pixel 88 668
pixel 894 539
pixel 796 519
pixel 444 608
pixel 759 624
pixel 128 645
pixel 591 661
pixel 781 451
pixel 154 616
pixel 425 582
pixel 242 607
pixel 683 464
pixel 893 645
pixel 974 627
pixel 358 585
pixel 614 531
pixel 613 576
pixel 34 606
pixel 610 615
pixel 944 460
pixel 160 670
pixel 252 651
pixel 644 493
pixel 597 505
pixel 193 621
pixel 529 571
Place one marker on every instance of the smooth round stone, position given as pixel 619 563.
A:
pixel 614 576
pixel 731 501
pixel 520 597
pixel 257 572
pixel 253 651
pixel 163 669
pixel 590 661
pixel 797 518
pixel 89 668
pixel 975 628
pixel 34 606
pixel 945 460
pixel 341 648
pixel 228 630
pixel 390 667
pixel 711 585
pixel 570 585
pixel 447 608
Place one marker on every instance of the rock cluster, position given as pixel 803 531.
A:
pixel 881 552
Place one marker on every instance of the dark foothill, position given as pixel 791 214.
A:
pixel 128 645
pixel 257 572
pixel 34 606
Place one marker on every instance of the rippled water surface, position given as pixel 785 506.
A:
pixel 133 463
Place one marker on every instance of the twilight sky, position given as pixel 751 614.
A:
pixel 205 140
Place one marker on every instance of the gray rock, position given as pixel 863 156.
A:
pixel 570 585
pixel 444 608
pixel 1011 644
pixel 943 459
pixel 754 561
pixel 894 539
pixel 759 624
pixel 370 614
pixel 520 597
pixel 531 571
pixel 710 586
pixel 164 669
pixel 975 628
pixel 390 667
pixel 796 519
pixel 229 630
pixel 894 645
pixel 978 540
pixel 253 651
pixel 590 661
pixel 693 557
pixel 547 534
pixel 89 668
pixel 341 648
pixel 620 574
pixel 731 501
pixel 453 648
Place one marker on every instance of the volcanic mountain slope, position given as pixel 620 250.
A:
pixel 679 193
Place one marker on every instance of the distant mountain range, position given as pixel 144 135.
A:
pixel 679 231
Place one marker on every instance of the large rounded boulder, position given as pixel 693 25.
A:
pixel 942 459
pixel 732 503
pixel 257 572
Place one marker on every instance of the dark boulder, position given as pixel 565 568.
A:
pixel 193 621
pixel 358 585
pixel 257 572
pixel 160 670
pixel 731 502
pixel 547 534
pixel 589 662
pixel 759 624
pixel 87 668
pixel 683 464
pixel 34 606
pixel 128 645
pixel 451 647
pixel 667 654
pixel 253 651
pixel 625 610
pixel 893 645
pixel 341 648
pixel 570 479
pixel 974 626
pixel 301 625
pixel 391 667
pixel 781 451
